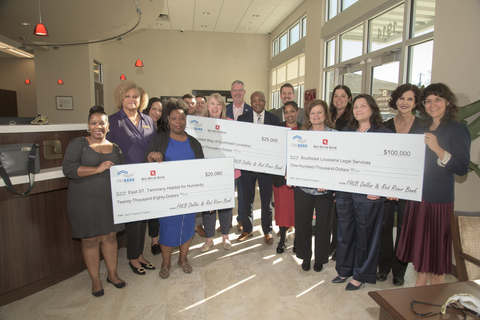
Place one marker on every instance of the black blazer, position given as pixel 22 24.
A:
pixel 269 118
pixel 246 108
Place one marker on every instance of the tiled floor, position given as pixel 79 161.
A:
pixel 250 281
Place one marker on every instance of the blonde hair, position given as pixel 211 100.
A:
pixel 121 91
pixel 217 97
pixel 328 118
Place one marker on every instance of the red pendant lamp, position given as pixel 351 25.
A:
pixel 60 81
pixel 40 30
pixel 27 81
pixel 122 77
pixel 139 63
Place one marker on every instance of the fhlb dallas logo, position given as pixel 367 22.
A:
pixel 196 125
pixel 127 178
pixel 299 142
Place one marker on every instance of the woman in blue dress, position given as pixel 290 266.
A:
pixel 174 145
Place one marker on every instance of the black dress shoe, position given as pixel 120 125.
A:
pixel 281 247
pixel 156 249
pixel 98 293
pixel 398 282
pixel 317 267
pixel 350 286
pixel 306 265
pixel 381 277
pixel 334 256
pixel 140 271
pixel 148 266
pixel 339 279
pixel 119 285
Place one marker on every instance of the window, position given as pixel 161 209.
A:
pixel 329 85
pixel 334 7
pixel 330 58
pixel 351 44
pixel 97 72
pixel 294 34
pixel 347 3
pixel 420 66
pixel 291 36
pixel 386 29
pixel 424 17
pixel 292 72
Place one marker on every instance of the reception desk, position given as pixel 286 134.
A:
pixel 36 247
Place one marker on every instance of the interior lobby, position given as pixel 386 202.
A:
pixel 251 280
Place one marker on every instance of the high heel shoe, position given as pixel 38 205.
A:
pixel 339 279
pixel 140 271
pixel 119 285
pixel 350 286
pixel 281 247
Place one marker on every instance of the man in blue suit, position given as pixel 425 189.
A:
pixel 234 110
pixel 260 116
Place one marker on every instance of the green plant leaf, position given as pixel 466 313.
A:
pixel 469 110
pixel 474 128
pixel 474 167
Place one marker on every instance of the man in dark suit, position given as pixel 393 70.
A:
pixel 287 93
pixel 260 116
pixel 234 110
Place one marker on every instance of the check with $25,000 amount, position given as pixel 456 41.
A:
pixel 255 147
pixel 382 164
pixel 152 190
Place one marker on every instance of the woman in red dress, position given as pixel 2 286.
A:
pixel 282 194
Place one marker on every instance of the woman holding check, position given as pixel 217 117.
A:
pixel 359 215
pixel 216 109
pixel 174 145
pixel 317 118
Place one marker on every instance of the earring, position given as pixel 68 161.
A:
pixel 108 130
pixel 88 130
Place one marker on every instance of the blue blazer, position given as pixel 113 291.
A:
pixel 269 118
pixel 246 108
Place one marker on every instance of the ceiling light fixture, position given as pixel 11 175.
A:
pixel 122 77
pixel 40 30
pixel 255 15
pixel 247 28
pixel 206 13
pixel 25 23
pixel 27 81
pixel 139 63
pixel 203 26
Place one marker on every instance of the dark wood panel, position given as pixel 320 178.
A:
pixel 40 137
pixel 8 103
pixel 38 187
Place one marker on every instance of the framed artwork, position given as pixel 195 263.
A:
pixel 64 103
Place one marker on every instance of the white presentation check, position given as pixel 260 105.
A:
pixel 382 164
pixel 153 190
pixel 255 147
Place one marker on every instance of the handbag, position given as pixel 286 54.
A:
pixel 17 160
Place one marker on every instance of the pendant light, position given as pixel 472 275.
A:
pixel 139 63
pixel 40 30
pixel 122 77
pixel 60 81
pixel 27 81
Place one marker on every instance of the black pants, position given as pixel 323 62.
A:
pixel 153 228
pixel 358 238
pixel 388 252
pixel 248 186
pixel 333 241
pixel 135 238
pixel 304 205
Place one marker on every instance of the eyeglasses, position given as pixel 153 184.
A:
pixel 437 100
pixel 237 90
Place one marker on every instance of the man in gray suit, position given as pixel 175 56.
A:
pixel 287 93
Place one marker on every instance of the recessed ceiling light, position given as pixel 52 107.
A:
pixel 205 12
pixel 25 23
pixel 255 15
pixel 251 22
pixel 247 28
pixel 203 26
pixel 159 24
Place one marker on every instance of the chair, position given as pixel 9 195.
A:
pixel 466 244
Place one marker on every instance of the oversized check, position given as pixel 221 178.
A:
pixel 383 164
pixel 255 147
pixel 153 190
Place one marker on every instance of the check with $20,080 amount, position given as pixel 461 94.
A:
pixel 255 147
pixel 382 164
pixel 153 190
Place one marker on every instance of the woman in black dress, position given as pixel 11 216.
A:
pixel 87 162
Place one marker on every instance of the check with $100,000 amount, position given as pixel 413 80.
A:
pixel 152 190
pixel 382 164
pixel 255 147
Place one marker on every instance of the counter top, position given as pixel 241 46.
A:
pixel 27 128
pixel 44 174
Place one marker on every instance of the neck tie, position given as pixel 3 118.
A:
pixel 259 119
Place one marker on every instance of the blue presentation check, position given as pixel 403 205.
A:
pixel 382 164
pixel 255 147
pixel 154 190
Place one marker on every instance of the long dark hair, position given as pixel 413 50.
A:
pixel 375 119
pixel 400 91
pixel 443 91
pixel 348 109
pixel 162 122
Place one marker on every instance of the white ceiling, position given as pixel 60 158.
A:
pixel 78 21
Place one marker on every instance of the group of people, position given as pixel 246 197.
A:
pixel 356 228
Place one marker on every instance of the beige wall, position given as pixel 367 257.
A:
pixel 13 73
pixel 175 63
pixel 455 62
